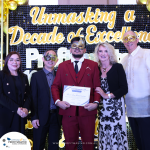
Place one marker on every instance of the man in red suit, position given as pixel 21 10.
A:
pixel 77 72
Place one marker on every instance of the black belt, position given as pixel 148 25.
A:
pixel 52 111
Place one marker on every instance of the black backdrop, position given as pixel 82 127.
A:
pixel 21 17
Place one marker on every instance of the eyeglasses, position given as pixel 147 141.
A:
pixel 129 38
pixel 50 57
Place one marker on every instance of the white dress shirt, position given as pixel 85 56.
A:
pixel 137 68
pixel 79 63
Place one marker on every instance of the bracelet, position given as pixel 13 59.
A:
pixel 109 95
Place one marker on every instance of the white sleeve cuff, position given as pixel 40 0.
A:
pixel 57 101
pixel 96 102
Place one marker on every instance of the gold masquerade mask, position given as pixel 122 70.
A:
pixel 129 38
pixel 50 57
pixel 78 45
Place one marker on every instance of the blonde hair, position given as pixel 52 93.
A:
pixel 111 53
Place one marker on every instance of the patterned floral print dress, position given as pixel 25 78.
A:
pixel 112 127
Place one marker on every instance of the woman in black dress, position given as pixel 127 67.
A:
pixel 112 131
pixel 14 95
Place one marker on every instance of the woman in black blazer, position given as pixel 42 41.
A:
pixel 14 95
pixel 112 131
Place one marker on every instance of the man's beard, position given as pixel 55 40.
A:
pixel 77 55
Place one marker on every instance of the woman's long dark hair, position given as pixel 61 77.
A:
pixel 6 70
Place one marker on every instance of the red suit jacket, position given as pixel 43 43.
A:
pixel 88 76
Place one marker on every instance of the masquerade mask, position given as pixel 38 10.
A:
pixel 50 57
pixel 129 38
pixel 78 45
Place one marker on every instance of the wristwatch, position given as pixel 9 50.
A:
pixel 96 103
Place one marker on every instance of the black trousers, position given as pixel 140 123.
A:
pixel 141 131
pixel 40 134
pixel 17 125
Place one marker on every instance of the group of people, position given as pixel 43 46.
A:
pixel 109 82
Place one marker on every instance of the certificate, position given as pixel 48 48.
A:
pixel 76 95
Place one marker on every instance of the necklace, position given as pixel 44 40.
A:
pixel 104 69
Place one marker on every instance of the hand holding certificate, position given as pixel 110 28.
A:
pixel 76 95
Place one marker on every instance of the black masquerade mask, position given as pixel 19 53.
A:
pixel 78 44
pixel 50 57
